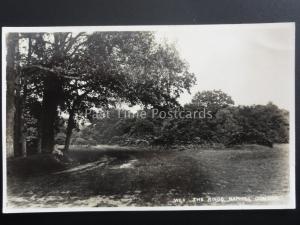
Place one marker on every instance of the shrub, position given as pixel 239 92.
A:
pixel 79 141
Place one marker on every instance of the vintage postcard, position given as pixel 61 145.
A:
pixel 193 117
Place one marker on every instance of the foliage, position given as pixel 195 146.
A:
pixel 72 72
pixel 229 125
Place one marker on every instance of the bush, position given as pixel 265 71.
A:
pixel 116 140
pixel 250 137
pixel 92 141
pixel 79 141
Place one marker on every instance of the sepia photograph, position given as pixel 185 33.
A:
pixel 119 118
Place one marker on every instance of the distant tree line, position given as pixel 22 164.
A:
pixel 229 125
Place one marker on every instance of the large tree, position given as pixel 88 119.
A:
pixel 71 72
pixel 11 75
pixel 52 65
pixel 129 67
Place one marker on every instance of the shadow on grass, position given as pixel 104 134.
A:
pixel 150 177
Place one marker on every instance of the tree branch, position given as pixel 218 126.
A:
pixel 76 48
pixel 73 41
pixel 56 71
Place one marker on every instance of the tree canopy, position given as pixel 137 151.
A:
pixel 71 72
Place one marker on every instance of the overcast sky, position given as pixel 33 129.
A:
pixel 252 63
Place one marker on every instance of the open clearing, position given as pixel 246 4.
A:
pixel 127 176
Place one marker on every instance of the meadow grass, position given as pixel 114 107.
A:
pixel 143 177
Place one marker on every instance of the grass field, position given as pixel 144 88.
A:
pixel 124 176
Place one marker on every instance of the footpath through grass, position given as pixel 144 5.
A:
pixel 124 176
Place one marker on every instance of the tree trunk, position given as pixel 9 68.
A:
pixel 39 141
pixel 24 145
pixel 18 118
pixel 23 127
pixel 20 123
pixel 51 98
pixel 12 50
pixel 71 120
pixel 70 127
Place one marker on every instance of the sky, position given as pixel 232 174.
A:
pixel 253 63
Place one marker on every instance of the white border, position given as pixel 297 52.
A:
pixel 181 28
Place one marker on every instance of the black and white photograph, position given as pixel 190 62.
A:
pixel 178 117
